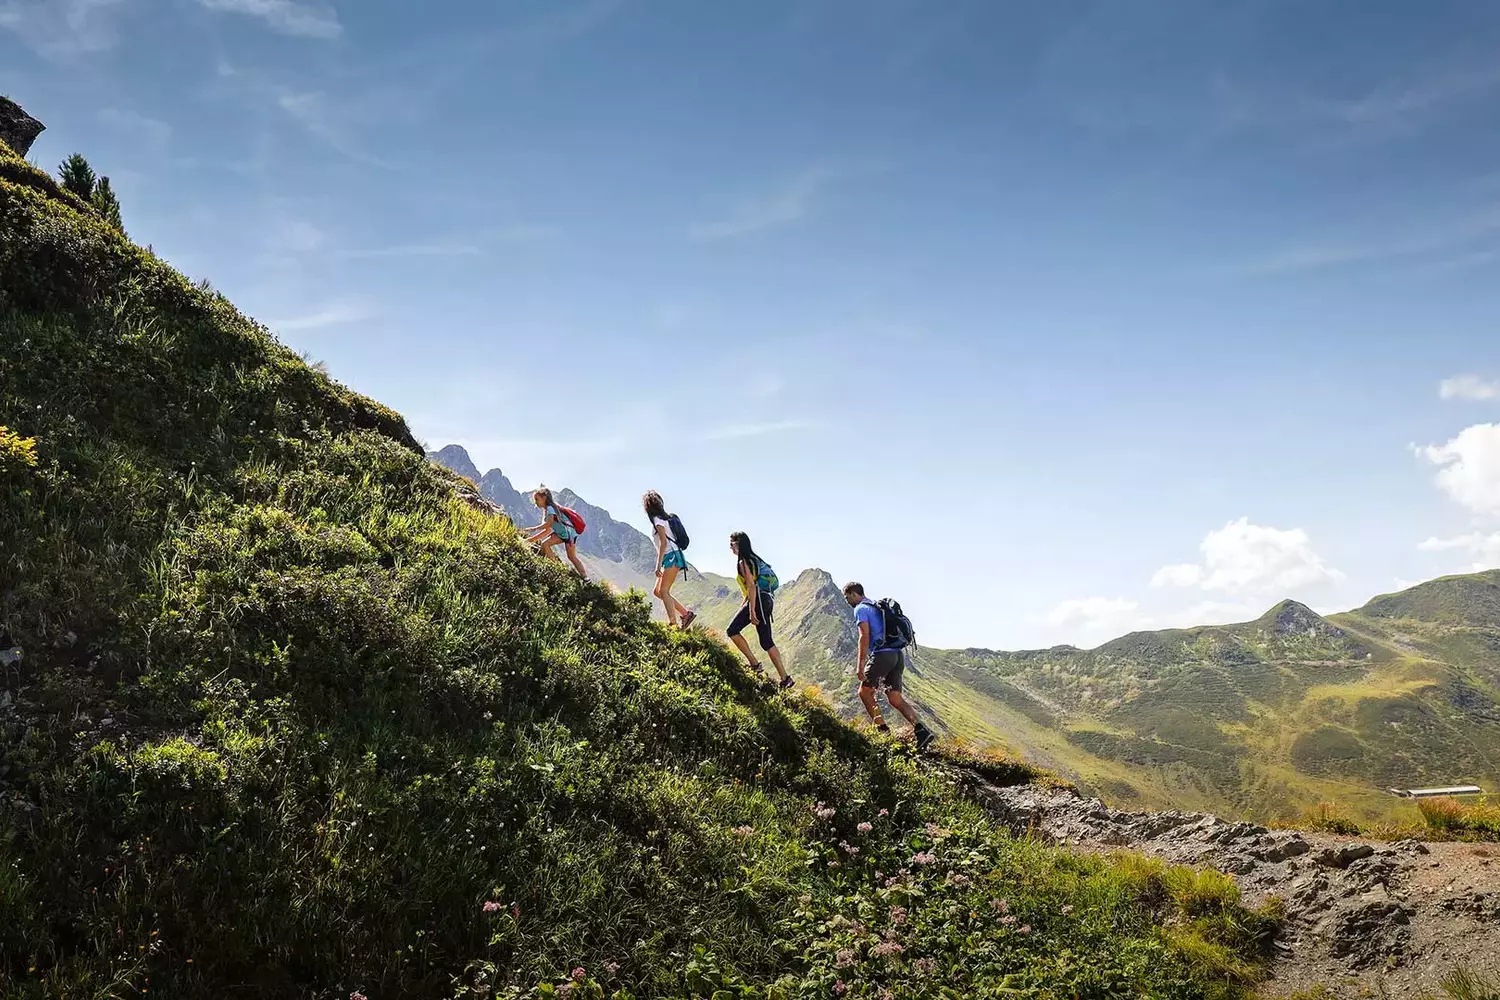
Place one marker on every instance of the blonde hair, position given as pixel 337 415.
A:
pixel 545 495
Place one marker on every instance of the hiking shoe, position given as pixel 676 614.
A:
pixel 883 729
pixel 925 737
pixel 787 682
pixel 687 618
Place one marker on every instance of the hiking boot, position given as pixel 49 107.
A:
pixel 787 682
pixel 883 728
pixel 925 737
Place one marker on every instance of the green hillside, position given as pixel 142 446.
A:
pixel 293 719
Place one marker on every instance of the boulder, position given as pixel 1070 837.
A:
pixel 18 130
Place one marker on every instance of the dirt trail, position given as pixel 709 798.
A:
pixel 1365 918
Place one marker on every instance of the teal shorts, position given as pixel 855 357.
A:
pixel 674 559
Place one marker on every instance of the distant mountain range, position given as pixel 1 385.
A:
pixel 1261 719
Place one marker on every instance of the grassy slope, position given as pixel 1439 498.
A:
pixel 294 720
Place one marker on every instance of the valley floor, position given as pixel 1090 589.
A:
pixel 1364 918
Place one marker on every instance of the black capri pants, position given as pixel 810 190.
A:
pixel 763 630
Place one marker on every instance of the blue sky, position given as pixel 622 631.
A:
pixel 1053 320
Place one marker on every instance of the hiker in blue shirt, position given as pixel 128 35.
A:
pixel 669 559
pixel 556 529
pixel 881 664
pixel 757 582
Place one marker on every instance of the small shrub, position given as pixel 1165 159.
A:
pixel 16 452
pixel 1478 821
pixel 1327 817
pixel 1462 984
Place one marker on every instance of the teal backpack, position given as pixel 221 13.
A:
pixel 765 577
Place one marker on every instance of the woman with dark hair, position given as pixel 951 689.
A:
pixel 669 560
pixel 757 582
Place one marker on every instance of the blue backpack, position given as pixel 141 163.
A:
pixel 677 531
pixel 765 577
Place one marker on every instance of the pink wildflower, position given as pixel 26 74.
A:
pixel 924 857
pixel 864 828
pixel 743 831
pixel 515 910
pixel 357 995
pixel 580 974
pixel 844 958
pixel 611 967
pixel 925 966
pixel 1008 921
pixel 1024 929
pixel 884 813
pixel 898 914
pixel 1000 905
pixel 493 907
pixel 886 949
pixel 839 988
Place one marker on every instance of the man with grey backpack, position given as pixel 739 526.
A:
pixel 884 634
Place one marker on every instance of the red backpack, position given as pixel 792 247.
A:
pixel 573 516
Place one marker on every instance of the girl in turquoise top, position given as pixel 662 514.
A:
pixel 554 530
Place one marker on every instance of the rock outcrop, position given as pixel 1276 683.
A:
pixel 1358 913
pixel 18 130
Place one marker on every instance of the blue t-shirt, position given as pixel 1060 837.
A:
pixel 866 611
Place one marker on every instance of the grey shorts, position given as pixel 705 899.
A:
pixel 885 669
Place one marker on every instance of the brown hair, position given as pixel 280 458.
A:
pixel 545 494
pixel 654 505
pixel 854 588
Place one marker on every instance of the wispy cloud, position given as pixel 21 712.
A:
pixel 335 313
pixel 1414 96
pixel 789 202
pixel 316 114
pixel 285 16
pixel 140 127
pixel 60 29
pixel 414 250
pixel 1437 238
pixel 1469 387
pixel 731 431
pixel 293 238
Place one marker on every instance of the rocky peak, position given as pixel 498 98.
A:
pixel 18 130
pixel 1294 618
pixel 456 459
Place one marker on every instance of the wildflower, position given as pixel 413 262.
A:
pixel 957 878
pixel 936 832
pixel 826 813
pixel 833 862
pixel 1008 921
pixel 611 967
pixel 898 914
pixel 1024 929
pixel 844 958
pixel 1067 909
pixel 886 949
pixel 804 899
pixel 493 907
pixel 839 988
pixel 357 995
pixel 515 910
pixel 884 813
pixel 925 966
pixel 924 857
pixel 1000 905
pixel 744 831
pixel 580 974
pixel 864 828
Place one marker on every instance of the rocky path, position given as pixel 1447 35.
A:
pixel 1365 918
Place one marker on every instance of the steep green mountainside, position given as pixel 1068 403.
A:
pixel 1263 719
pixel 294 719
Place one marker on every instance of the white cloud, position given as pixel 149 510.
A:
pixel 61 28
pixel 1097 614
pixel 1245 558
pixel 729 431
pixel 1470 467
pixel 296 236
pixel 332 314
pixel 1483 550
pixel 416 250
pixel 789 203
pixel 1468 387
pixel 285 16
pixel 137 125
